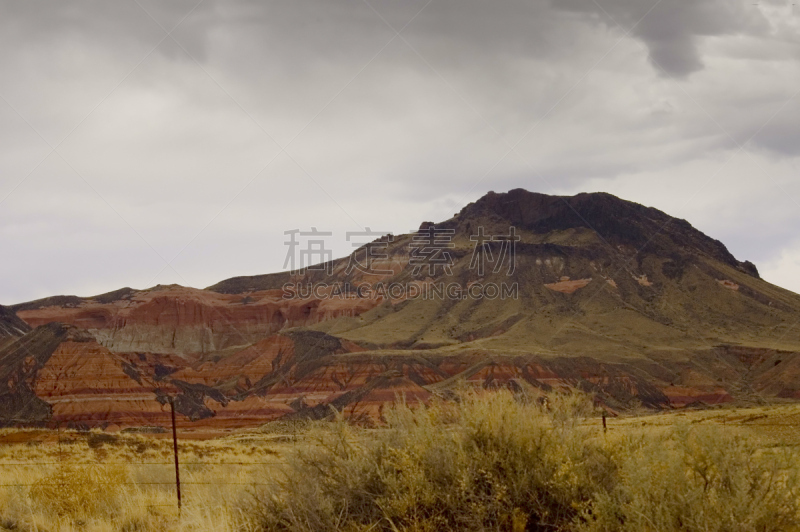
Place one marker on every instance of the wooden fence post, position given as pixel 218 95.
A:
pixel 175 452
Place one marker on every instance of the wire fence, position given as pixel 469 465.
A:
pixel 164 463
pixel 163 471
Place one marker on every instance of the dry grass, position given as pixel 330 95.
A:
pixel 100 482
pixel 502 462
pixel 490 462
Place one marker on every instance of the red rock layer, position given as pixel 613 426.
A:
pixel 187 320
pixel 680 396
pixel 85 384
pixel 243 368
pixel 303 372
pixel 371 406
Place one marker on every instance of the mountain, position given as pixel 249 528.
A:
pixel 587 291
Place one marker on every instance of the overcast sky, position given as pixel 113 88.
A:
pixel 132 156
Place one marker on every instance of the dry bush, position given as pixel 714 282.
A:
pixel 494 462
pixel 708 479
pixel 488 462
pixel 81 491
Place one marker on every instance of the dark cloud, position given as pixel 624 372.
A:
pixel 671 29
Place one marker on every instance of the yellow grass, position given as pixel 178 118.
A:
pixel 104 482
pixel 78 481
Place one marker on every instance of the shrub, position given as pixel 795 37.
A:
pixel 704 479
pixel 489 462
pixel 498 461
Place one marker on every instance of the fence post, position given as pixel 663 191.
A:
pixel 175 452
pixel 604 421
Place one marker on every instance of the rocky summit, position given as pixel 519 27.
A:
pixel 518 290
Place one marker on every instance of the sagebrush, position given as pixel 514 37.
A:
pixel 502 461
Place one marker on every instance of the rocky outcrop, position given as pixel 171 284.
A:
pixel 617 221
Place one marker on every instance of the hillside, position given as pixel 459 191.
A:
pixel 605 295
pixel 11 326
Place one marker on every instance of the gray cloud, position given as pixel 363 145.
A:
pixel 671 29
pixel 175 158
